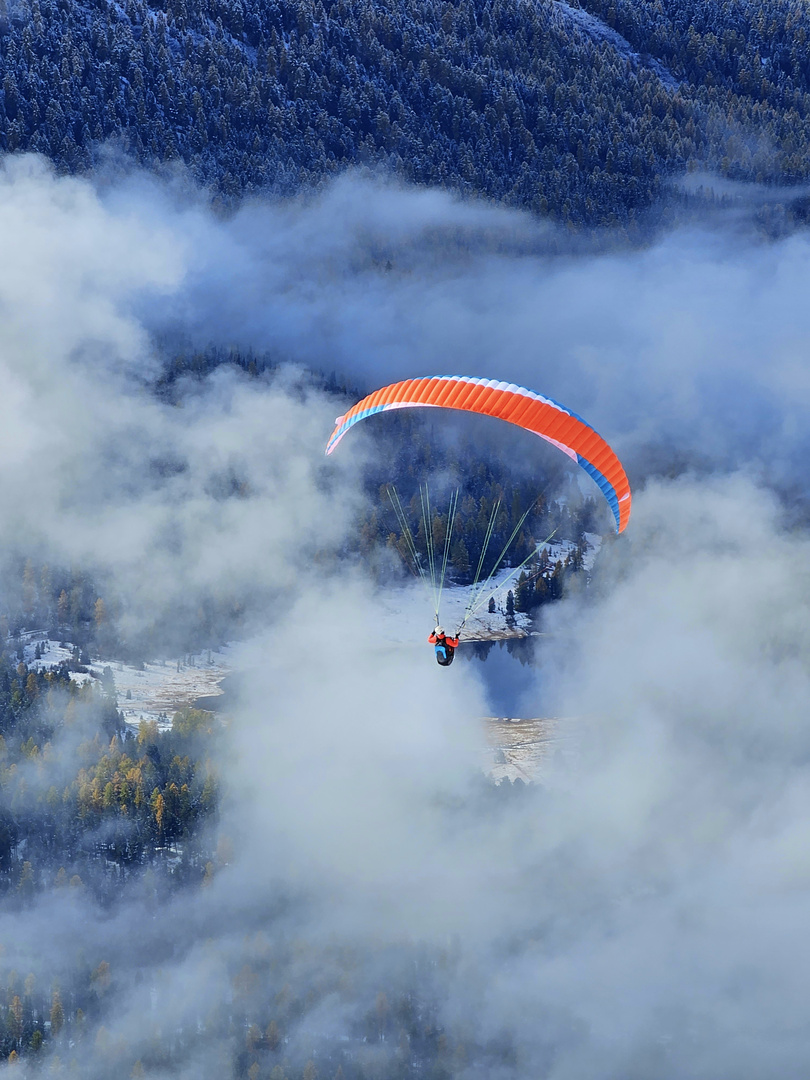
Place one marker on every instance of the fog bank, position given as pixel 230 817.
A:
pixel 644 912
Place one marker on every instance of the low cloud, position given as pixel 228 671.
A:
pixel 643 912
pixel 688 352
pixel 220 494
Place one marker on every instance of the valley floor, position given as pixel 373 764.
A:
pixel 154 691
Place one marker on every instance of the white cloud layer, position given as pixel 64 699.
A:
pixel 646 913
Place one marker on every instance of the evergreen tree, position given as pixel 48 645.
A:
pixel 523 593
pixel 459 557
pixel 535 108
pixel 57 1013
pixel 555 584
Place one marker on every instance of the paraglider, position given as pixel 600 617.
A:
pixel 516 405
pixel 444 646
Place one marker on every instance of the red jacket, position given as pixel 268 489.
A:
pixel 445 640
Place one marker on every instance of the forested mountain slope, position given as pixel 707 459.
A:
pixel 579 113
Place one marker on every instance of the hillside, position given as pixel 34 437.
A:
pixel 581 112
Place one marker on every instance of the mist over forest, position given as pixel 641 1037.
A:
pixel 320 879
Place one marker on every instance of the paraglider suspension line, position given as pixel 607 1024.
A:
pixel 451 520
pixel 507 579
pixel 473 603
pixel 434 577
pixel 417 569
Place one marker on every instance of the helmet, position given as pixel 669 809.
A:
pixel 439 631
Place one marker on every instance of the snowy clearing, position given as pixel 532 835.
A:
pixel 165 687
pixel 407 614
pixel 407 611
pixel 155 692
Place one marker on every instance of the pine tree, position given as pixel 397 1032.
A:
pixel 15 1018
pixel 29 591
pixel 57 1012
pixel 272 1035
pixel 555 584
pixel 439 531
pixel 100 979
pixel 541 591
pixel 523 593
pixel 460 557
pixel 25 886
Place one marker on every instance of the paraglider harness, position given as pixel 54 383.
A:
pixel 445 652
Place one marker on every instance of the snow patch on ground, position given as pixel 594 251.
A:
pixel 407 611
pixel 53 652
pixel 165 687
pixel 154 692
pixel 600 31
pixel 558 550
pixel 593 545
pixel 407 615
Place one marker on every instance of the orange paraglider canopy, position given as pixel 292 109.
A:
pixel 515 404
